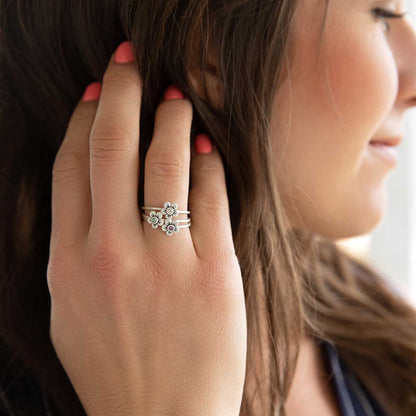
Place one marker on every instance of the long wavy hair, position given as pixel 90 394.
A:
pixel 295 282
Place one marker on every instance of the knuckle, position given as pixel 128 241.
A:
pixel 111 265
pixel 162 164
pixel 113 146
pixel 210 200
pixel 175 107
pixel 52 273
pixel 224 248
pixel 59 269
pixel 53 281
pixel 220 279
pixel 82 116
pixel 208 165
pixel 68 165
pixel 160 269
pixel 178 112
pixel 105 259
pixel 120 77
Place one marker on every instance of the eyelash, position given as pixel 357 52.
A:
pixel 386 14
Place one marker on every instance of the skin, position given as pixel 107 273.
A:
pixel 311 392
pixel 357 89
pixel 105 264
pixel 143 323
pixel 368 76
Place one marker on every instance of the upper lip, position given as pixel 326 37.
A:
pixel 390 141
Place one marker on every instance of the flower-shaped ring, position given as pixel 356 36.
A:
pixel 155 218
pixel 170 210
pixel 168 225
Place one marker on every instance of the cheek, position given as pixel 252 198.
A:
pixel 363 78
pixel 323 120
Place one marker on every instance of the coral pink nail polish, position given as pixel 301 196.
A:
pixel 92 92
pixel 203 144
pixel 124 53
pixel 173 93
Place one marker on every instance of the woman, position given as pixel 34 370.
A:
pixel 286 97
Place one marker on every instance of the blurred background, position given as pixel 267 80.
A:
pixel 391 247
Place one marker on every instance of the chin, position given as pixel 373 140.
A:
pixel 352 214
pixel 350 230
pixel 354 221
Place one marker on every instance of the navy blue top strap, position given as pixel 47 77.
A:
pixel 353 397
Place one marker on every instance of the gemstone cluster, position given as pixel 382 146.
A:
pixel 168 225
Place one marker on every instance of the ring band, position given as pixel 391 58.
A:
pixel 167 224
pixel 147 216
pixel 178 211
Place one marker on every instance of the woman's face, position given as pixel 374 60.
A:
pixel 333 101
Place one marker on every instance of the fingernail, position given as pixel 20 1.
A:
pixel 173 93
pixel 92 92
pixel 203 144
pixel 124 53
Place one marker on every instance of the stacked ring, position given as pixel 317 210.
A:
pixel 167 224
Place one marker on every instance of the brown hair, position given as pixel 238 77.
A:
pixel 295 282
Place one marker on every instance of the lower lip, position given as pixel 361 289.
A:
pixel 386 152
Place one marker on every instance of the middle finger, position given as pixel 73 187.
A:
pixel 114 143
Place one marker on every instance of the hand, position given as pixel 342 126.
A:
pixel 143 323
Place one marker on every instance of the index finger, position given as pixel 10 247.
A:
pixel 114 143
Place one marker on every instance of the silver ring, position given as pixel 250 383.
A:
pixel 167 224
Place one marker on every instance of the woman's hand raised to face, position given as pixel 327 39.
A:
pixel 142 322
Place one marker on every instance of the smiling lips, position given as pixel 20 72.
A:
pixel 385 148
pixel 387 141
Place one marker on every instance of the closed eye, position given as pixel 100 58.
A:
pixel 387 14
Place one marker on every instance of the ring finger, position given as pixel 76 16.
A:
pixel 167 164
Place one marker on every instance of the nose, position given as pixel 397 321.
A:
pixel 404 50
